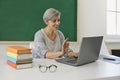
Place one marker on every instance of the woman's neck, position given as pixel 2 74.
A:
pixel 50 33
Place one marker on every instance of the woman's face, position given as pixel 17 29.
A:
pixel 54 22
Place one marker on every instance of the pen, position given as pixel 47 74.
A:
pixel 109 59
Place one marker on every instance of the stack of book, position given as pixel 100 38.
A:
pixel 19 57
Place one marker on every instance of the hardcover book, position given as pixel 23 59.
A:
pixel 19 56
pixel 18 49
pixel 19 66
pixel 19 61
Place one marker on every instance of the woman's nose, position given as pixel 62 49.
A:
pixel 57 22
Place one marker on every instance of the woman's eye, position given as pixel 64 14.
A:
pixel 58 19
pixel 54 20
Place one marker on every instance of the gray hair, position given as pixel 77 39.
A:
pixel 50 13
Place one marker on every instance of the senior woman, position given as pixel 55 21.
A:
pixel 49 42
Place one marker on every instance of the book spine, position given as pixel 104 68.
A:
pixel 19 61
pixel 13 55
pixel 18 51
pixel 19 56
pixel 24 52
pixel 11 64
pixel 20 66
pixel 11 59
pixel 24 62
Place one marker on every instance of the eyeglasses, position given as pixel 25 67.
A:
pixel 44 68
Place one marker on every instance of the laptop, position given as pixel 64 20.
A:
pixel 88 52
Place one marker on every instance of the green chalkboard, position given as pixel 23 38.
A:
pixel 20 19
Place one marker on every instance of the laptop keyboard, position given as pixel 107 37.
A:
pixel 68 59
pixel 72 61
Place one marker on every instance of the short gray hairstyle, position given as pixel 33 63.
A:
pixel 50 13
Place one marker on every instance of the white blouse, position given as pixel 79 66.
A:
pixel 43 44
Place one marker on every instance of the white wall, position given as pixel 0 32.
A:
pixel 92 19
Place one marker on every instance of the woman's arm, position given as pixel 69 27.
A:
pixel 52 55
pixel 59 53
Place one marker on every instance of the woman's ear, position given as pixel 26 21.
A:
pixel 46 21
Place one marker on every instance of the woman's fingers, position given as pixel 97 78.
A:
pixel 65 46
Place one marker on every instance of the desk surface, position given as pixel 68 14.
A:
pixel 95 70
pixel 98 70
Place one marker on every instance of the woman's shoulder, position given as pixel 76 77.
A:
pixel 59 32
pixel 39 33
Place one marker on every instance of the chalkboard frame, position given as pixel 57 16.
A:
pixel 31 41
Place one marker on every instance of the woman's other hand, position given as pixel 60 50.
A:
pixel 65 46
pixel 73 54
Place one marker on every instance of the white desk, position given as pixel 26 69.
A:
pixel 98 70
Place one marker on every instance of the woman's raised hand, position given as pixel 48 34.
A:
pixel 65 46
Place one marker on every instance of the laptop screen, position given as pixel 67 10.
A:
pixel 89 49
